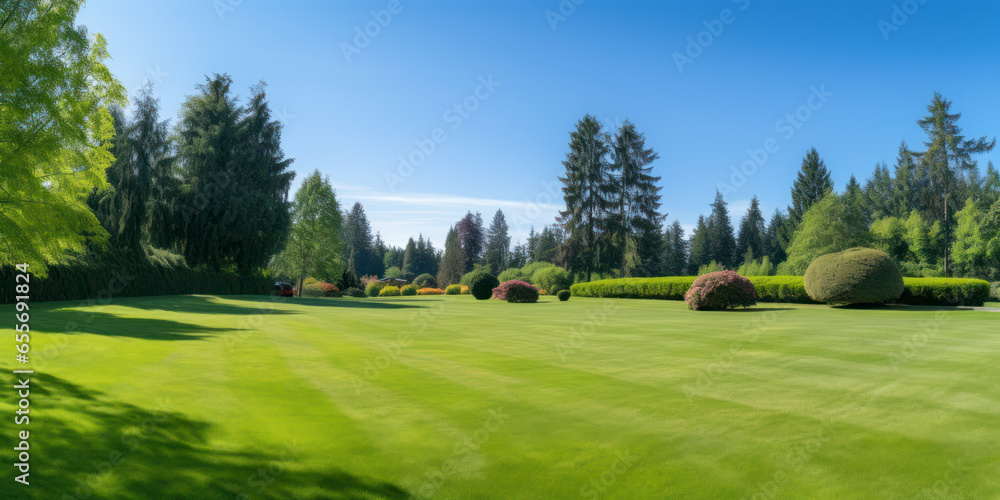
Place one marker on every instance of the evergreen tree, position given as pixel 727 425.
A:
pixel 635 221
pixel 358 247
pixel 854 200
pixel 498 244
pixel 905 185
pixel 878 193
pixel 779 236
pixel 947 158
pixel 453 262
pixel 519 256
pixel 261 180
pixel 235 184
pixel 411 258
pixel 472 238
pixel 549 244
pixel 532 245
pixel 586 187
pixel 722 243
pixel 674 259
pixel 750 241
pixel 812 184
pixel 699 255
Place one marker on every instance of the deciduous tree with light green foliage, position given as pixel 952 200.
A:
pixel 828 226
pixel 314 243
pixel 976 250
pixel 55 131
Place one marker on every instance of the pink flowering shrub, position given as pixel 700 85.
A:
pixel 516 291
pixel 720 290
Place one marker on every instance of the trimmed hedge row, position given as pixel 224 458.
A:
pixel 945 292
pixel 789 289
pixel 113 274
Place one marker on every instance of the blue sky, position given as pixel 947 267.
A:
pixel 523 72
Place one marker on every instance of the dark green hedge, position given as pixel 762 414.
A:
pixel 945 292
pixel 788 289
pixel 107 275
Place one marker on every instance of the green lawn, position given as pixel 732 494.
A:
pixel 207 397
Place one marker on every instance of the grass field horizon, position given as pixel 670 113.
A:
pixel 448 397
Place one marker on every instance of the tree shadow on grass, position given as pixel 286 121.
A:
pixel 206 304
pixel 86 444
pixel 345 302
pixel 73 321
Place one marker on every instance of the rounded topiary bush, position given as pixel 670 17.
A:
pixel 408 290
pixel 453 289
pixel 482 287
pixel 563 295
pixel 516 291
pixel 389 291
pixel 425 281
pixel 854 276
pixel 720 290
pixel 354 292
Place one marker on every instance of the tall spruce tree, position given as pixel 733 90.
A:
pixel 674 259
pixel 261 180
pixel 779 237
pixel 947 158
pixel 722 242
pixel 811 185
pixel 235 180
pixel 635 220
pixel 452 262
pixel 905 184
pixel 359 252
pixel 498 244
pixel 750 241
pixel 699 245
pixel 878 193
pixel 472 238
pixel 586 192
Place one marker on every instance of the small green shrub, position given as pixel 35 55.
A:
pixel 453 290
pixel 995 290
pixel 373 288
pixel 513 273
pixel 408 290
pixel 516 292
pixel 945 292
pixel 854 276
pixel 552 279
pixel 720 290
pixel 389 291
pixel 311 290
pixel 529 270
pixel 425 281
pixel 563 295
pixel 482 287
pixel 354 292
